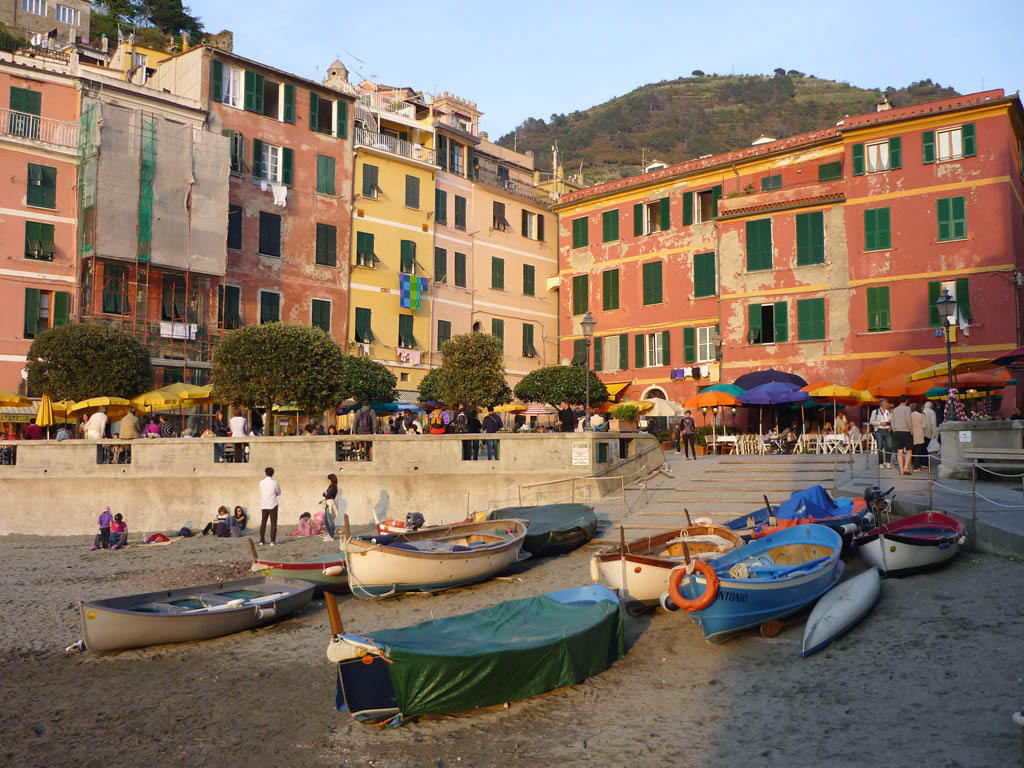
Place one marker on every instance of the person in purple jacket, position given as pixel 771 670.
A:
pixel 103 537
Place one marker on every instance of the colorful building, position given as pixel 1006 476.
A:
pixel 817 254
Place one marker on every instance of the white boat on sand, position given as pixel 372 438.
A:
pixel 840 609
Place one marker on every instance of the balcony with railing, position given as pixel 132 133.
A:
pixel 517 182
pixel 394 145
pixel 379 102
pixel 36 128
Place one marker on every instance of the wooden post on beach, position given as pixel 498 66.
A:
pixel 337 628
pixel 252 549
pixel 346 528
pixel 622 561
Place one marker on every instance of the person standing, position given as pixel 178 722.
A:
pixel 688 433
pixel 881 425
pixel 129 426
pixel 33 431
pixel 330 504
pixel 237 423
pixel 270 496
pixel 566 418
pixel 96 426
pixel 491 424
pixel 366 419
pixel 102 540
pixel 918 424
pixel 902 435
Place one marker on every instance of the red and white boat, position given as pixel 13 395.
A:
pixel 916 543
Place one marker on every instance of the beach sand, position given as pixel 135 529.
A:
pixel 929 678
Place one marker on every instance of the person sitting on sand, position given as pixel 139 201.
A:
pixel 238 521
pixel 220 525
pixel 118 532
pixel 305 525
pixel 102 539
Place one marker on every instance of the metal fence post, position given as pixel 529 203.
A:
pixel 622 491
pixel 931 482
pixel 974 490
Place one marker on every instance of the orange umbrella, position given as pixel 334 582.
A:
pixel 710 400
pixel 899 364
pixel 898 385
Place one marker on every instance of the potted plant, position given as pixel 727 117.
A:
pixel 624 418
pixel 665 438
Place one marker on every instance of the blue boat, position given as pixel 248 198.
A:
pixel 814 504
pixel 769 578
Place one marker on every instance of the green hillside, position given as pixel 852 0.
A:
pixel 677 120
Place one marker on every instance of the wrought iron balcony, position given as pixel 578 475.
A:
pixel 378 102
pixel 394 145
pixel 36 128
pixel 518 183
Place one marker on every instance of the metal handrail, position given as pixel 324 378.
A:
pixel 45 129
pixel 394 145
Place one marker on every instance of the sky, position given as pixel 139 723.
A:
pixel 534 58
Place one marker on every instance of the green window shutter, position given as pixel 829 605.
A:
pixel 638 350
pixel 440 265
pixel 928 147
pixel 540 227
pixel 830 171
pixel 759 244
pixel 882 220
pixel 942 207
pixel 61 308
pixel 363 333
pixel 287 163
pixel 471 167
pixel 638 219
pixel 405 335
pixel 529 280
pixel 858 159
pixel 497 273
pixel 969 144
pixel 328 235
pixel 878 308
pixel 498 329
pixel 579 232
pixel 579 352
pixel 314 111
pixel 781 322
pixel 321 315
pixel 440 206
pixel 689 345
pixel 370 185
pixel 958 216
pixel 623 351
pixel 529 350
pixel 580 298
pixel 289 104
pixel 610 289
pixel 341 130
pixel 218 80
pixel 656 288
pixel 460 212
pixel 408 256
pixel 257 158
pixel 810 238
pixel 610 226
pixel 524 222
pixel 963 298
pixel 34 194
pixel 444 332
pixel 754 323
pixel 895 153
pixel 325 174
pixel 33 239
pixel 665 215
pixel 31 312
pixel 876 229
pixel 666 348
pixel 460 270
pixel 687 209
pixel 716 195
pixel 49 187
pixel 412 192
pixel 28 101
pixel 810 318
pixel 442 152
pixel 598 352
pixel 254 92
pixel 934 291
pixel 872 296
pixel 704 274
pixel 769 183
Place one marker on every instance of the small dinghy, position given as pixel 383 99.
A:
pixel 190 613
pixel 431 559
pixel 650 560
pixel 512 650
pixel 840 609
pixel 553 529
pixel 812 505
pixel 768 579
pixel 912 544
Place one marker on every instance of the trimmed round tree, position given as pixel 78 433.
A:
pixel 366 379
pixel 429 388
pixel 86 360
pixel 473 371
pixel 556 383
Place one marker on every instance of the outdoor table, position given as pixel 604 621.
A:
pixel 835 444
pixel 724 443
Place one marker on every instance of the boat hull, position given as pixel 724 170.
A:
pixel 137 621
pixel 553 529
pixel 840 609
pixel 327 572
pixel 913 544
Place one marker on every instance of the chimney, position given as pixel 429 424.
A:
pixel 884 105
pixel 104 43
pixel 483 135
pixel 184 41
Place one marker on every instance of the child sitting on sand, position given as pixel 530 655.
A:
pixel 305 525
pixel 220 525
pixel 103 537
pixel 118 532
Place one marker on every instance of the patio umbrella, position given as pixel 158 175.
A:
pixel 510 407
pixel 732 389
pixel 193 393
pixel 660 407
pixel 13 400
pixel 539 409
pixel 1010 357
pixel 837 393
pixel 157 400
pixel 898 365
pixel 117 407
pixel 44 416
pixel 771 376
pixel 712 398
pixel 773 393
pixel 962 365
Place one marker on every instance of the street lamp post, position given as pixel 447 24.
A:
pixel 587 324
pixel 946 305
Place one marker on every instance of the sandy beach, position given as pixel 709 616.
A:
pixel 930 678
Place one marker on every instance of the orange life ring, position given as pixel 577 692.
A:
pixel 710 590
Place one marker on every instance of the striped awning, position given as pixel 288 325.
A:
pixel 21 415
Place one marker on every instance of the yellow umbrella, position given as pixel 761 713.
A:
pixel 962 365
pixel 188 392
pixel 61 408
pixel 13 400
pixel 510 407
pixel 44 416
pixel 643 405
pixel 839 393
pixel 157 400
pixel 117 407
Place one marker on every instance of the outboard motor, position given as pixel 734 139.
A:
pixel 414 521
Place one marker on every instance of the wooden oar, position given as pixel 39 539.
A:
pixel 686 512
pixel 252 549
pixel 337 628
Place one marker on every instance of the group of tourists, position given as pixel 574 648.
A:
pixel 907 433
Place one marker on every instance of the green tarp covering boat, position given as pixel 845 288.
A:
pixel 513 650
pixel 553 528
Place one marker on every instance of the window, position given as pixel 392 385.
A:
pixel 877 156
pixel 652 349
pixel 580 290
pixel 229 314
pixel 610 226
pixel 67 15
pixel 529 350
pixel 270 234
pixel 830 171
pixel 959 289
pixel 444 332
pixel 652 282
pixel 704 274
pixel 407 257
pixel 759 244
pixel 45 309
pixel 460 212
pixel 767 323
pixel 363 333
pixel 227 85
pixel 138 59
pixel 460 270
pixel 498 330
pixel 455 158
pixel 533 225
pixel 651 217
pixel 365 256
pixel 498 219
pixel 497 273
pixel 952 215
pixel 254 92
pixel 321 315
pixel 440 206
pixel 326 245
pixel 440 265
pixel 610 289
pixel 614 352
pixel 321 114
pixel 39 241
pixel 412 192
pixel 579 232
pixel 580 352
pixel 270 307
pixel 948 144
pixel 271 162
pixel 529 280
pixel 768 183
pixel 442 152
pixel 370 188
pixel 42 186
pixel 235 146
pixel 325 174
pixel 876 229
pixel 706 352
pixel 878 309
pixel 38 7
pixel 810 320
pixel 23 119
pixel 406 340
pixel 706 207
pixel 810 238
pixel 173 307
pixel 115 290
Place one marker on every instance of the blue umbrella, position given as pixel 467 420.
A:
pixel 774 393
pixel 750 380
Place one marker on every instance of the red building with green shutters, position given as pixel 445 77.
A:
pixel 817 254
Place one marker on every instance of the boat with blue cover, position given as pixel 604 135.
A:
pixel 769 578
pixel 847 516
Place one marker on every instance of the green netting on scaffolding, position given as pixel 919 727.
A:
pixel 88 148
pixel 147 169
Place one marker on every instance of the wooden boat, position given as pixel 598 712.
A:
pixel 847 516
pixel 478 659
pixel 767 579
pixel 840 609
pixel 190 613
pixel 912 544
pixel 553 529
pixel 326 572
pixel 650 559
pixel 432 559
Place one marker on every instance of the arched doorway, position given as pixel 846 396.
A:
pixel 653 392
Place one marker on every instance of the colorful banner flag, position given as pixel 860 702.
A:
pixel 410 288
